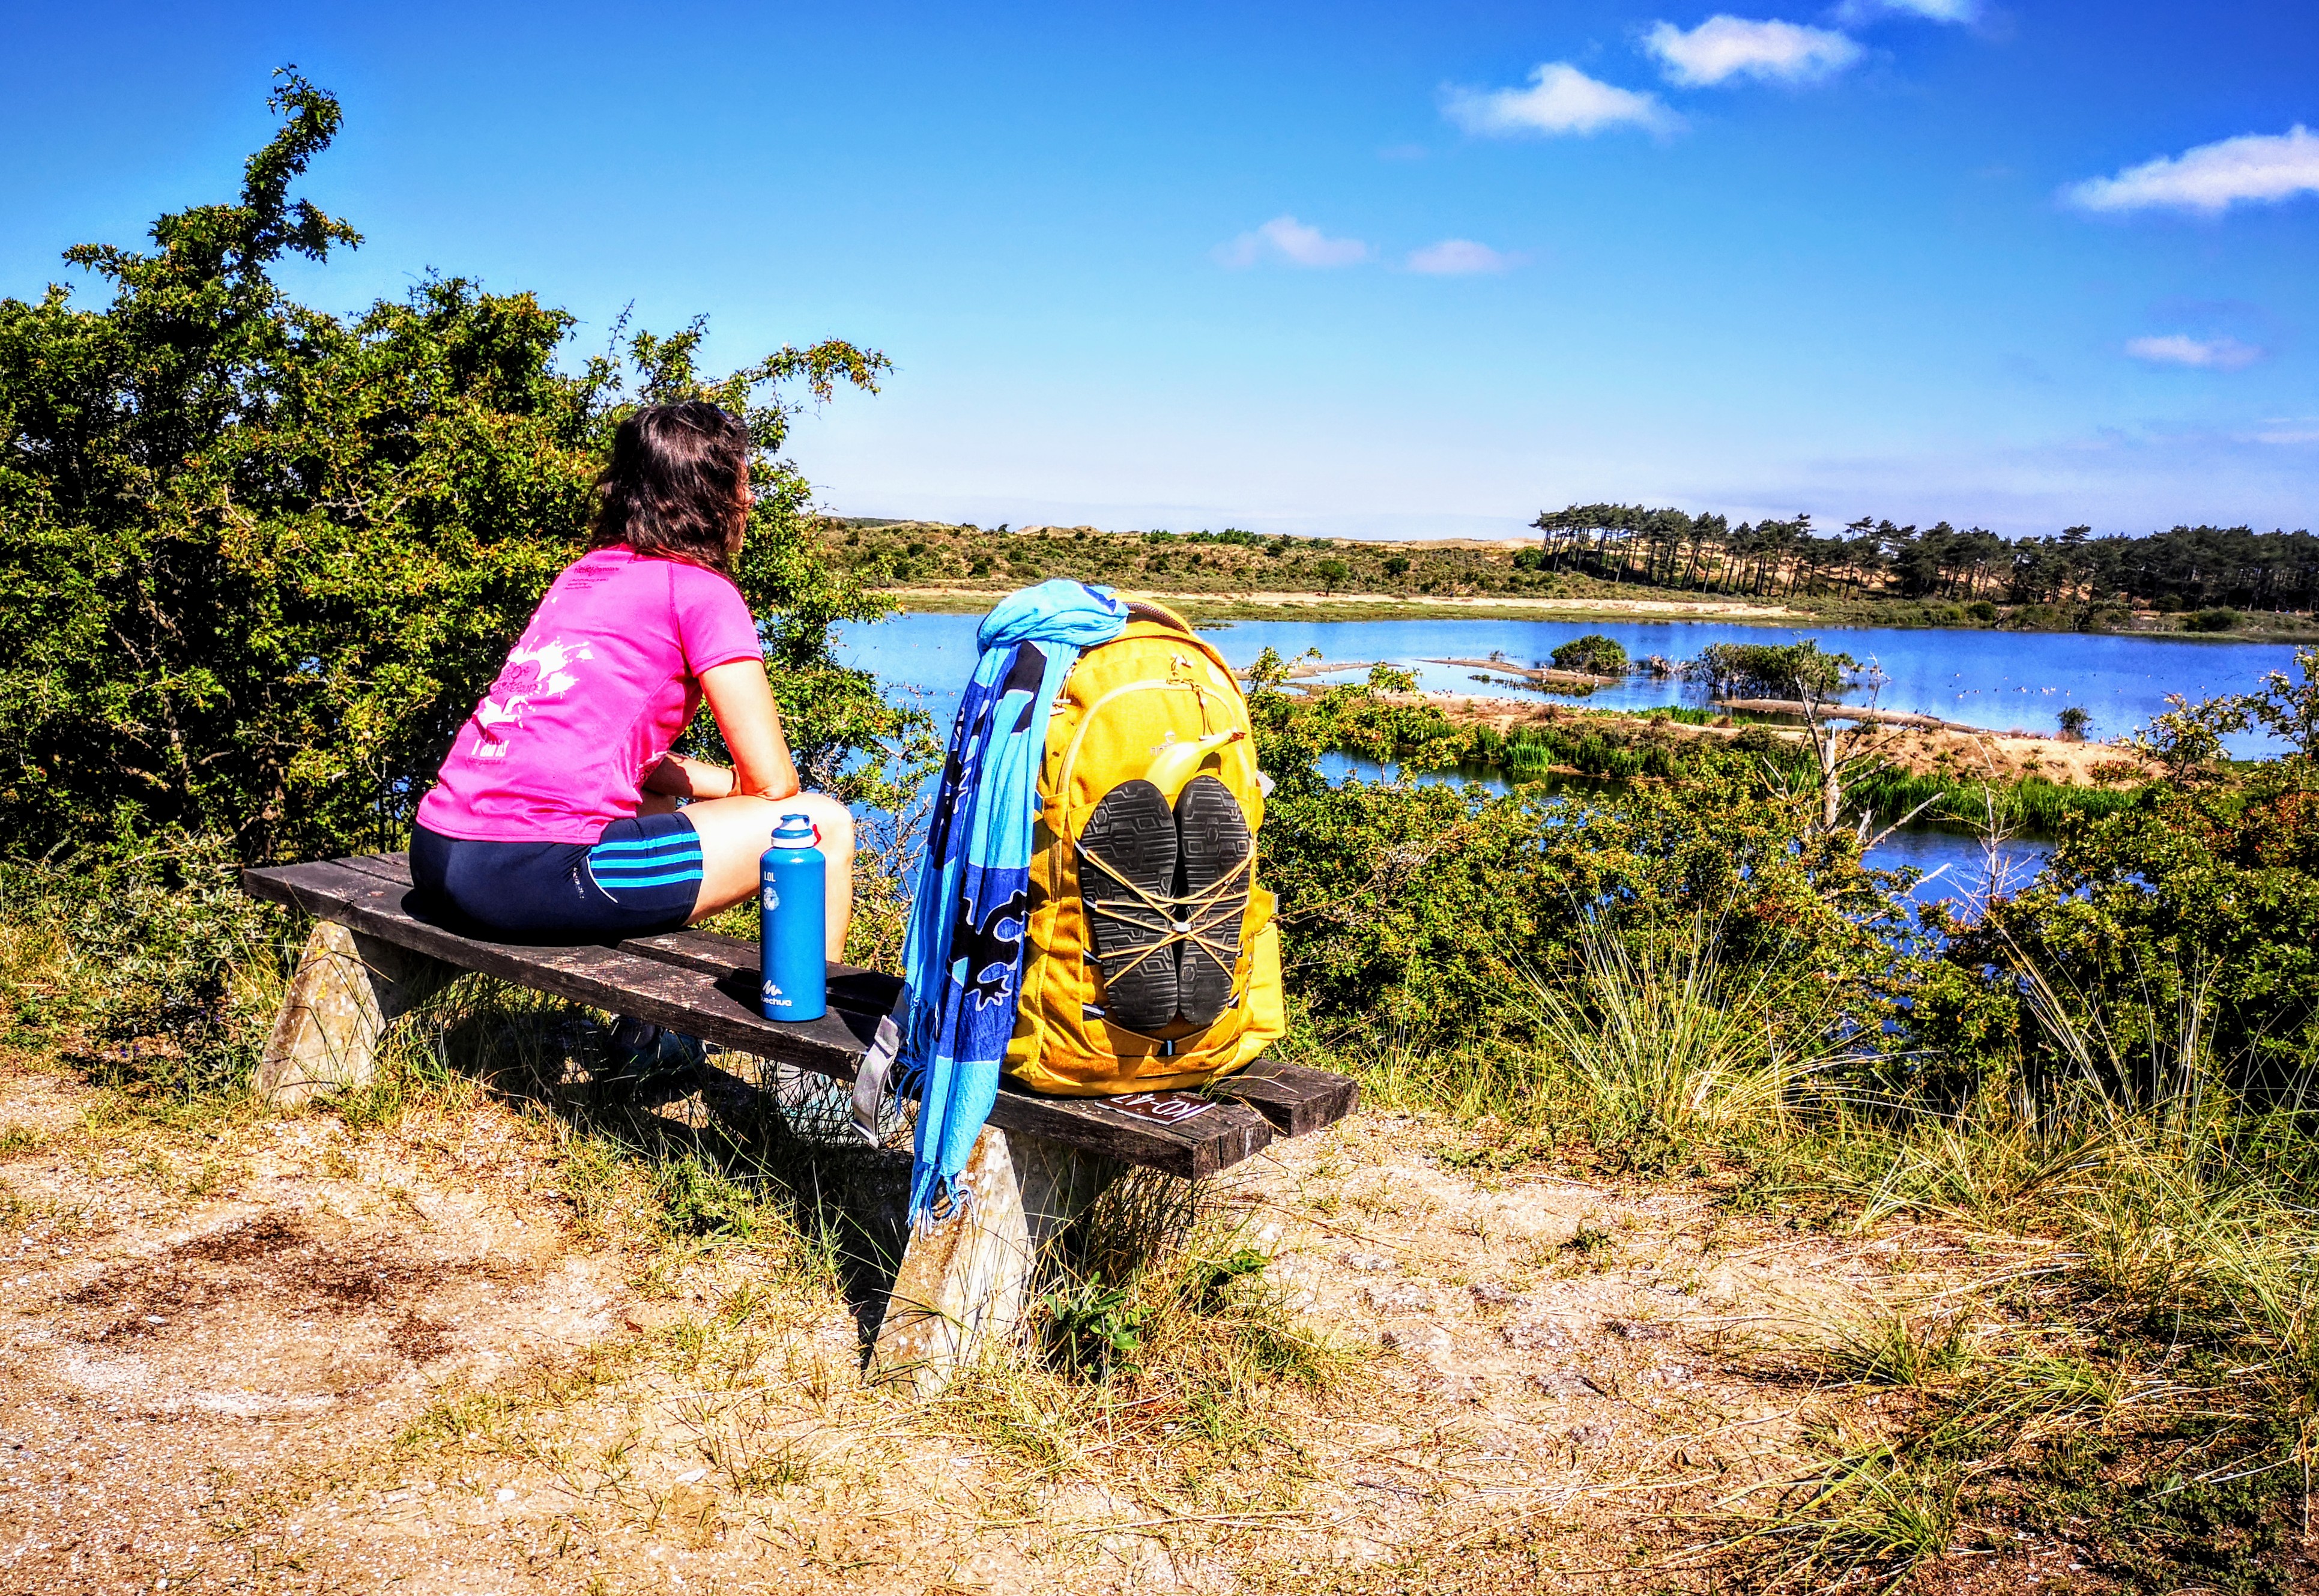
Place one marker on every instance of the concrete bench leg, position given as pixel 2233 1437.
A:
pixel 964 1284
pixel 346 989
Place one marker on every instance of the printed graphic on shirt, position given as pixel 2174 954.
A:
pixel 529 676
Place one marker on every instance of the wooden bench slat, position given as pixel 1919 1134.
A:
pixel 856 990
pixel 720 1008
pixel 687 1000
pixel 386 867
pixel 1296 1099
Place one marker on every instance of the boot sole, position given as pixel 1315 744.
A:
pixel 1213 843
pixel 1132 833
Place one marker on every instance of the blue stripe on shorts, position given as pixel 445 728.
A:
pixel 652 861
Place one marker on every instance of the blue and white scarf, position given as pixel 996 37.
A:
pixel 963 955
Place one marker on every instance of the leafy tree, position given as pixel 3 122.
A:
pixel 2186 740
pixel 1847 747
pixel 259 561
pixel 2073 721
pixel 1792 670
pixel 1594 653
pixel 2185 569
pixel 2288 709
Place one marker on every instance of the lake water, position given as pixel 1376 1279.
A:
pixel 1997 680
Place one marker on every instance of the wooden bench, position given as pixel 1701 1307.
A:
pixel 377 951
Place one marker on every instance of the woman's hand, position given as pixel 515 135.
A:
pixel 741 701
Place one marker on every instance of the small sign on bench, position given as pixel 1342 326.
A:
pixel 1162 1108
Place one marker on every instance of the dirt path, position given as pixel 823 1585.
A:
pixel 277 1356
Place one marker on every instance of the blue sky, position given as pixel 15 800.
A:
pixel 1380 270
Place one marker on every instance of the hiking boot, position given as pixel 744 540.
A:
pixel 1127 879
pixel 1213 847
pixel 637 1052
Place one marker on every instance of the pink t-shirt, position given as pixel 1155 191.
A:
pixel 606 678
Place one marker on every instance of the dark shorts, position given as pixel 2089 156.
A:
pixel 642 876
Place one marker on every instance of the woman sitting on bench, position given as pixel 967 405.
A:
pixel 555 814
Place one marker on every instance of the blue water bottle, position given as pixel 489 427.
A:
pixel 793 889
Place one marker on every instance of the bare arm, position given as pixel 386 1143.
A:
pixel 741 701
pixel 678 777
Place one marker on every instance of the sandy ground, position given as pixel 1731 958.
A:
pixel 282 1357
pixel 1720 608
pixel 1967 756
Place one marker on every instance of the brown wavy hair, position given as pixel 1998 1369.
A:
pixel 673 486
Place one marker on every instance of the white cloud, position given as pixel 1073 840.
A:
pixel 1560 99
pixel 2211 177
pixel 2223 354
pixel 1459 257
pixel 1723 48
pixel 1285 240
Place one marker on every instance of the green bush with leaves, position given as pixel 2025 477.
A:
pixel 259 561
pixel 1413 908
pixel 2188 923
pixel 1595 653
pixel 1785 670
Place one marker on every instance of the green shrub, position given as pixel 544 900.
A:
pixel 2212 621
pixel 260 560
pixel 1093 1327
pixel 1792 670
pixel 1594 653
pixel 2200 893
pixel 1407 909
pixel 162 978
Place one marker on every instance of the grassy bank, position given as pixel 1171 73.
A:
pixel 1238 575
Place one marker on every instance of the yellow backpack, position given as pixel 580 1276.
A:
pixel 1157 704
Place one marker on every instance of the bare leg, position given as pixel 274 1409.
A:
pixel 734 834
